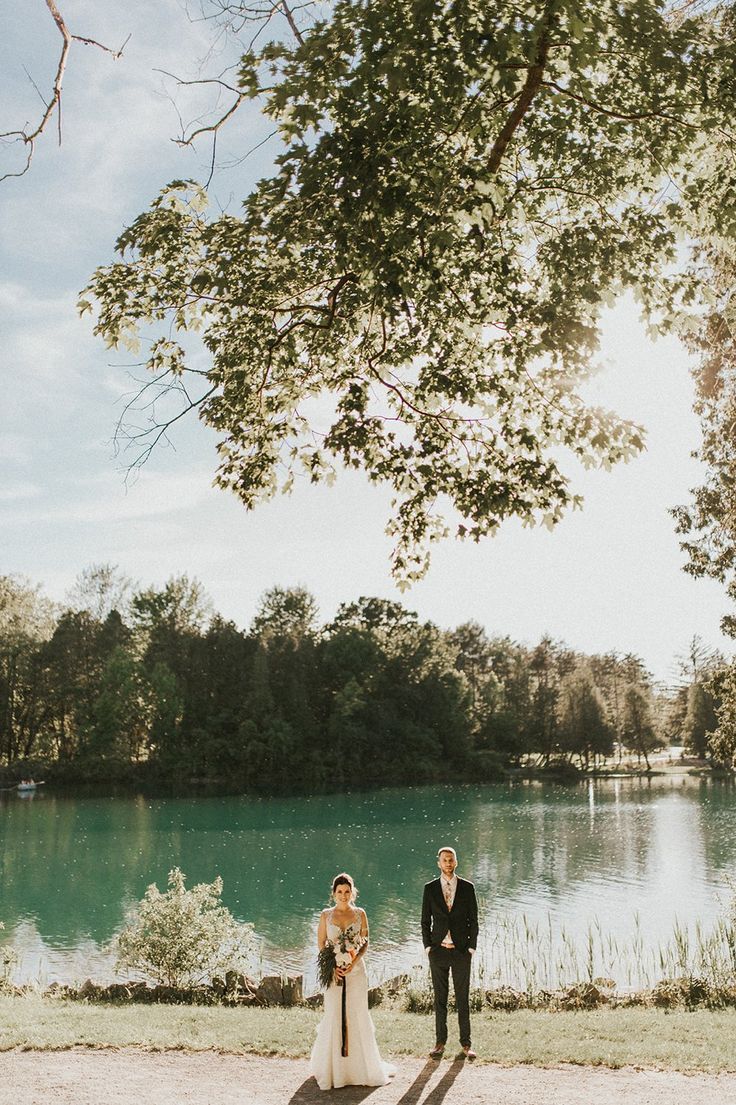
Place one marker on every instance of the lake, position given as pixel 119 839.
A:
pixel 623 859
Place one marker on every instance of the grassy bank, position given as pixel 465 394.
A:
pixel 701 1040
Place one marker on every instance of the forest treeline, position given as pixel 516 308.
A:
pixel 145 683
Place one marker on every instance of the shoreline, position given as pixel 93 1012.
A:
pixel 398 994
pixel 153 787
pixel 675 1041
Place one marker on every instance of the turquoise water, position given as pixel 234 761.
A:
pixel 633 855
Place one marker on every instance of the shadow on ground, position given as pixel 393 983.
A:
pixel 309 1092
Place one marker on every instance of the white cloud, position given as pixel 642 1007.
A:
pixel 15 447
pixel 106 499
pixel 18 492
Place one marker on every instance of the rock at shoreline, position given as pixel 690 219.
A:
pixel 284 990
pixel 287 990
pixel 388 989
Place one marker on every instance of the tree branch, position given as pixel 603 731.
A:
pixel 147 438
pixel 54 104
pixel 290 20
pixel 532 84
pixel 612 113
pixel 210 128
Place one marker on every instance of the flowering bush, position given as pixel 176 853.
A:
pixel 338 953
pixel 182 937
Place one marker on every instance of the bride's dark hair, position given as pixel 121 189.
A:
pixel 343 879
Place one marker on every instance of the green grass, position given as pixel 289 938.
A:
pixel 701 1041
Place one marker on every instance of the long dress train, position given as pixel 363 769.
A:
pixel 363 1065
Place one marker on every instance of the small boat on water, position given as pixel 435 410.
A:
pixel 25 786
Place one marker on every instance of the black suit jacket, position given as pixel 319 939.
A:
pixel 461 921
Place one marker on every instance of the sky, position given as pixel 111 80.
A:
pixel 610 577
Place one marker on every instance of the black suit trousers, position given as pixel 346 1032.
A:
pixel 442 961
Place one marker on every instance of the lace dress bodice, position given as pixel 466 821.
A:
pixel 335 931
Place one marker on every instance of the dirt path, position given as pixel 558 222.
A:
pixel 131 1077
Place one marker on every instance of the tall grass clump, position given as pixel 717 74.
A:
pixel 531 963
pixel 8 962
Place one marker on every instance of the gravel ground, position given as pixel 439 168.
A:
pixel 131 1077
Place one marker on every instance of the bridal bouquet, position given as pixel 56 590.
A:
pixel 338 953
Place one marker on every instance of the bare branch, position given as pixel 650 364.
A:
pixel 290 20
pixel 212 128
pixel 199 80
pixel 145 438
pixel 239 160
pixel 233 18
pixel 678 12
pixel 54 104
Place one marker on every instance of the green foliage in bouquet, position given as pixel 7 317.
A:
pixel 326 964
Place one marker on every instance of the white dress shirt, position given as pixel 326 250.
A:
pixel 449 887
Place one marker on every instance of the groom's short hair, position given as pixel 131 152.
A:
pixel 447 848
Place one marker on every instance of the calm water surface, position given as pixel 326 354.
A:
pixel 634 855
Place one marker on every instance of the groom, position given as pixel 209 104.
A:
pixel 450 935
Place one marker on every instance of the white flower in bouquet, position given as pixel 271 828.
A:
pixel 338 953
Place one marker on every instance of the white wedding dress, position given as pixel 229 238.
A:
pixel 363 1065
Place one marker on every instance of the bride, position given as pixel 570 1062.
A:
pixel 362 1065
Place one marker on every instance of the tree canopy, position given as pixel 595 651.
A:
pixel 708 522
pixel 166 692
pixel 416 289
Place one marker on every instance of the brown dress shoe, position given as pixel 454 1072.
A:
pixel 437 1051
pixel 468 1052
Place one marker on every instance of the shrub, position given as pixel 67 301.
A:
pixel 669 993
pixel 182 937
pixel 582 995
pixel 417 996
pixel 507 999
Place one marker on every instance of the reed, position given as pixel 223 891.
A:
pixel 535 959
